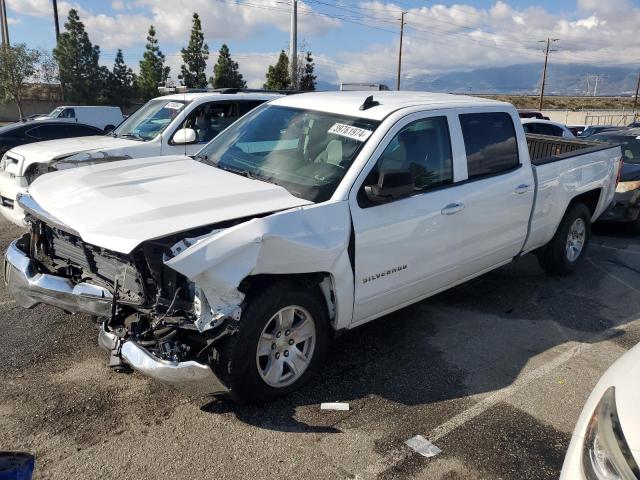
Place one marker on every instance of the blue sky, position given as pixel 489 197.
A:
pixel 354 41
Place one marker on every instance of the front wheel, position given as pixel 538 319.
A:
pixel 567 248
pixel 281 343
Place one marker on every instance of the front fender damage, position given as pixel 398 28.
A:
pixel 303 240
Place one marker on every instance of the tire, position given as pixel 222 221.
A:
pixel 254 378
pixel 560 258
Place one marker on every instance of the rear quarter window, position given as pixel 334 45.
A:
pixel 490 143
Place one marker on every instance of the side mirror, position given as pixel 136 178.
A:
pixel 184 135
pixel 391 185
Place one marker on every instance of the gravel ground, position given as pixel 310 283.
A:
pixel 494 372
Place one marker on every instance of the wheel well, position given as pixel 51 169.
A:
pixel 590 199
pixel 321 282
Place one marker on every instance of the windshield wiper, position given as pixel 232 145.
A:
pixel 130 135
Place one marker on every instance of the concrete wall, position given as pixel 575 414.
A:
pixel 9 112
pixel 592 117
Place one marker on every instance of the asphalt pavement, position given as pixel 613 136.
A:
pixel 493 372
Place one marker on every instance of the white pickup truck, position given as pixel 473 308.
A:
pixel 173 124
pixel 231 271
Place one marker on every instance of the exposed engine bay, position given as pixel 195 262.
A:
pixel 153 305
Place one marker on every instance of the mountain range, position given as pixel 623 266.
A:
pixel 562 79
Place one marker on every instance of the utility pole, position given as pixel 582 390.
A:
pixel 293 45
pixel 635 100
pixel 55 19
pixel 544 71
pixel 5 23
pixel 400 51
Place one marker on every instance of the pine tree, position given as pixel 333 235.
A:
pixel 278 77
pixel 120 88
pixel 308 79
pixel 82 77
pixel 153 71
pixel 225 71
pixel 195 57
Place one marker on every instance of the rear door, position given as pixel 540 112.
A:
pixel 497 195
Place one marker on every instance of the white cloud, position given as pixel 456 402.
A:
pixel 13 21
pixel 117 5
pixel 229 19
pixel 36 8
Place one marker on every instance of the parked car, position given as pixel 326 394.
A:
pixel 576 129
pixel 634 125
pixel 546 127
pixel 606 440
pixel 626 207
pixel 22 133
pixel 593 129
pixel 104 118
pixel 523 113
pixel 168 125
pixel 315 213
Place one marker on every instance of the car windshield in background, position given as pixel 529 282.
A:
pixel 630 145
pixel 150 120
pixel 305 151
pixel 55 112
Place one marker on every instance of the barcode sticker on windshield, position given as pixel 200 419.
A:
pixel 348 131
pixel 174 105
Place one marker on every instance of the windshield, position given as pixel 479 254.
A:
pixel 150 120
pixel 307 152
pixel 630 145
pixel 55 112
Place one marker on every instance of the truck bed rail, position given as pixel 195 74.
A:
pixel 546 149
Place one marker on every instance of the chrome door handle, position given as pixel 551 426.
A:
pixel 452 209
pixel 520 189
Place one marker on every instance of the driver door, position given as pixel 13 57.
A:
pixel 408 248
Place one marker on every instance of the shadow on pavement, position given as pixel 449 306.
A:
pixel 472 339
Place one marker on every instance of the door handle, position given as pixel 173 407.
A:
pixel 520 189
pixel 452 209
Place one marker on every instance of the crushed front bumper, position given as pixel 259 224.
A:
pixel 192 378
pixel 29 287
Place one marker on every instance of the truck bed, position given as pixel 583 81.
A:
pixel 545 149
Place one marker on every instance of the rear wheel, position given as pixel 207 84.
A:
pixel 281 344
pixel 568 246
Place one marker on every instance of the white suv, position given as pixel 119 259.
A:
pixel 173 124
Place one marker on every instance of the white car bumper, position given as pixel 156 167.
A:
pixel 10 187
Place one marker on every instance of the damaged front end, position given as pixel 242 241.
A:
pixel 153 319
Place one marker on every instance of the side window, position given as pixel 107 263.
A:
pixel 52 132
pixel 210 119
pixel 248 105
pixel 83 130
pixel 490 143
pixel 67 113
pixel 424 148
pixel 556 131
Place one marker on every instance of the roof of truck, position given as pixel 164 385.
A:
pixel 190 96
pixel 348 103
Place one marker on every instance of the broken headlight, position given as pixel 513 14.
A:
pixel 605 453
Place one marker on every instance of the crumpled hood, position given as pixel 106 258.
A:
pixel 99 146
pixel 122 204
